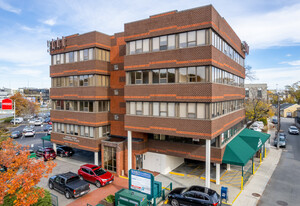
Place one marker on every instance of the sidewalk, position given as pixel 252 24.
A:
pixel 259 181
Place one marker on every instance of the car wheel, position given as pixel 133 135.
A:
pixel 98 184
pixel 51 185
pixel 80 177
pixel 68 195
pixel 174 202
pixel 61 155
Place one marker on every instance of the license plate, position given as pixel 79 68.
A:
pixel 82 193
pixel 110 182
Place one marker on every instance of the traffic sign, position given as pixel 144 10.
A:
pixel 6 104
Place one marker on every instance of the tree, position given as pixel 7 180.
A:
pixel 293 93
pixel 22 173
pixel 249 73
pixel 257 109
pixel 23 106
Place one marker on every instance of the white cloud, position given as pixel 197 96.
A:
pixel 288 55
pixel 50 22
pixel 293 63
pixel 276 76
pixel 5 6
pixel 28 72
pixel 273 28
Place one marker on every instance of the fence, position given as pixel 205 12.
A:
pixel 54 200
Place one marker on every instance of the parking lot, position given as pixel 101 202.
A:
pixel 64 164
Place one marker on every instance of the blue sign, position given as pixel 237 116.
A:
pixel 142 182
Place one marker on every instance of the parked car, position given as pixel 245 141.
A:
pixel 293 130
pixel 28 128
pixel 194 196
pixel 69 184
pixel 274 121
pixel 49 131
pixel 31 121
pixel 46 127
pixel 46 153
pixel 47 120
pixel 64 151
pixel 29 133
pixel 260 124
pixel 16 134
pixel 38 122
pixel 282 141
pixel 18 120
pixel 256 129
pixel 95 174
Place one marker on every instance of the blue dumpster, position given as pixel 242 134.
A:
pixel 224 193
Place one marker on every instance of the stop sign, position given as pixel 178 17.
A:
pixel 6 104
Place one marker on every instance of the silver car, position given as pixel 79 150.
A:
pixel 282 141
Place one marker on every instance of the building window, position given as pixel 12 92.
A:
pixel 182 75
pixel 139 108
pixel 155 108
pixel 163 109
pixel 259 93
pixel 171 42
pixel 110 162
pixel 182 110
pixel 116 67
pixel 155 44
pixel 191 38
pixel 182 40
pixel 247 92
pixel 163 43
pixel 146 47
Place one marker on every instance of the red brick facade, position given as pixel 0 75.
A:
pixel 119 93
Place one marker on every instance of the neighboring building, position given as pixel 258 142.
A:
pixel 297 118
pixel 288 110
pixel 183 97
pixel 5 93
pixel 256 91
pixel 35 94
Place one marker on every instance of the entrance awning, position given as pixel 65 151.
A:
pixel 242 148
pixel 47 138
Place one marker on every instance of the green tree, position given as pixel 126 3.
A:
pixel 293 93
pixel 257 109
pixel 23 106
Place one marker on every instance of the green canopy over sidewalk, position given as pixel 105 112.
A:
pixel 242 148
pixel 47 138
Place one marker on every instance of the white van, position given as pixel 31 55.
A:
pixel 18 120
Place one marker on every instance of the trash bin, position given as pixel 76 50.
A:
pixel 224 193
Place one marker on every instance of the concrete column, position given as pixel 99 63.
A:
pixel 218 174
pixel 129 149
pixel 207 163
pixel 54 147
pixel 228 167
pixel 96 158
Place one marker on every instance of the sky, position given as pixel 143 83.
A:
pixel 271 29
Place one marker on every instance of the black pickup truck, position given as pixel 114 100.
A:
pixel 69 184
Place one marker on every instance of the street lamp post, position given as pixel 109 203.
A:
pixel 278 119
pixel 14 112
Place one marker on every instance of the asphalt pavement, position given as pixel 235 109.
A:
pixel 284 186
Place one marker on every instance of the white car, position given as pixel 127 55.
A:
pixel 260 124
pixel 29 133
pixel 38 122
pixel 256 129
pixel 31 121
pixel 293 130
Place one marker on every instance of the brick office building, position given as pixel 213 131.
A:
pixel 182 97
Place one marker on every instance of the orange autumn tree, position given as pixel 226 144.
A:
pixel 22 173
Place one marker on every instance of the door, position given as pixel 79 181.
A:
pixel 139 161
pixel 58 183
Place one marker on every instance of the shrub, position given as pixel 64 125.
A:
pixel 45 201
pixel 110 198
pixel 8 119
pixel 264 120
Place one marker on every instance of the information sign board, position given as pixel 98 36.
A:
pixel 6 104
pixel 142 182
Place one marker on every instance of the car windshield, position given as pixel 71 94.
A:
pixel 292 127
pixel 72 179
pixel 281 138
pixel 214 197
pixel 99 171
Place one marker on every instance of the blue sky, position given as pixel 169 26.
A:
pixel 271 29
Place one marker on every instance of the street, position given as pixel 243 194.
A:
pixel 284 185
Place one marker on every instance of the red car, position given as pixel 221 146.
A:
pixel 46 153
pixel 95 174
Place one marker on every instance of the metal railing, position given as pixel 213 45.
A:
pixel 54 200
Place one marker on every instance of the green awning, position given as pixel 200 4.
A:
pixel 242 148
pixel 47 138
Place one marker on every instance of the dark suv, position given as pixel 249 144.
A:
pixel 64 151
pixel 46 153
pixel 194 196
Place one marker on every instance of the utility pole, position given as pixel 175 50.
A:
pixel 278 119
pixel 14 112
